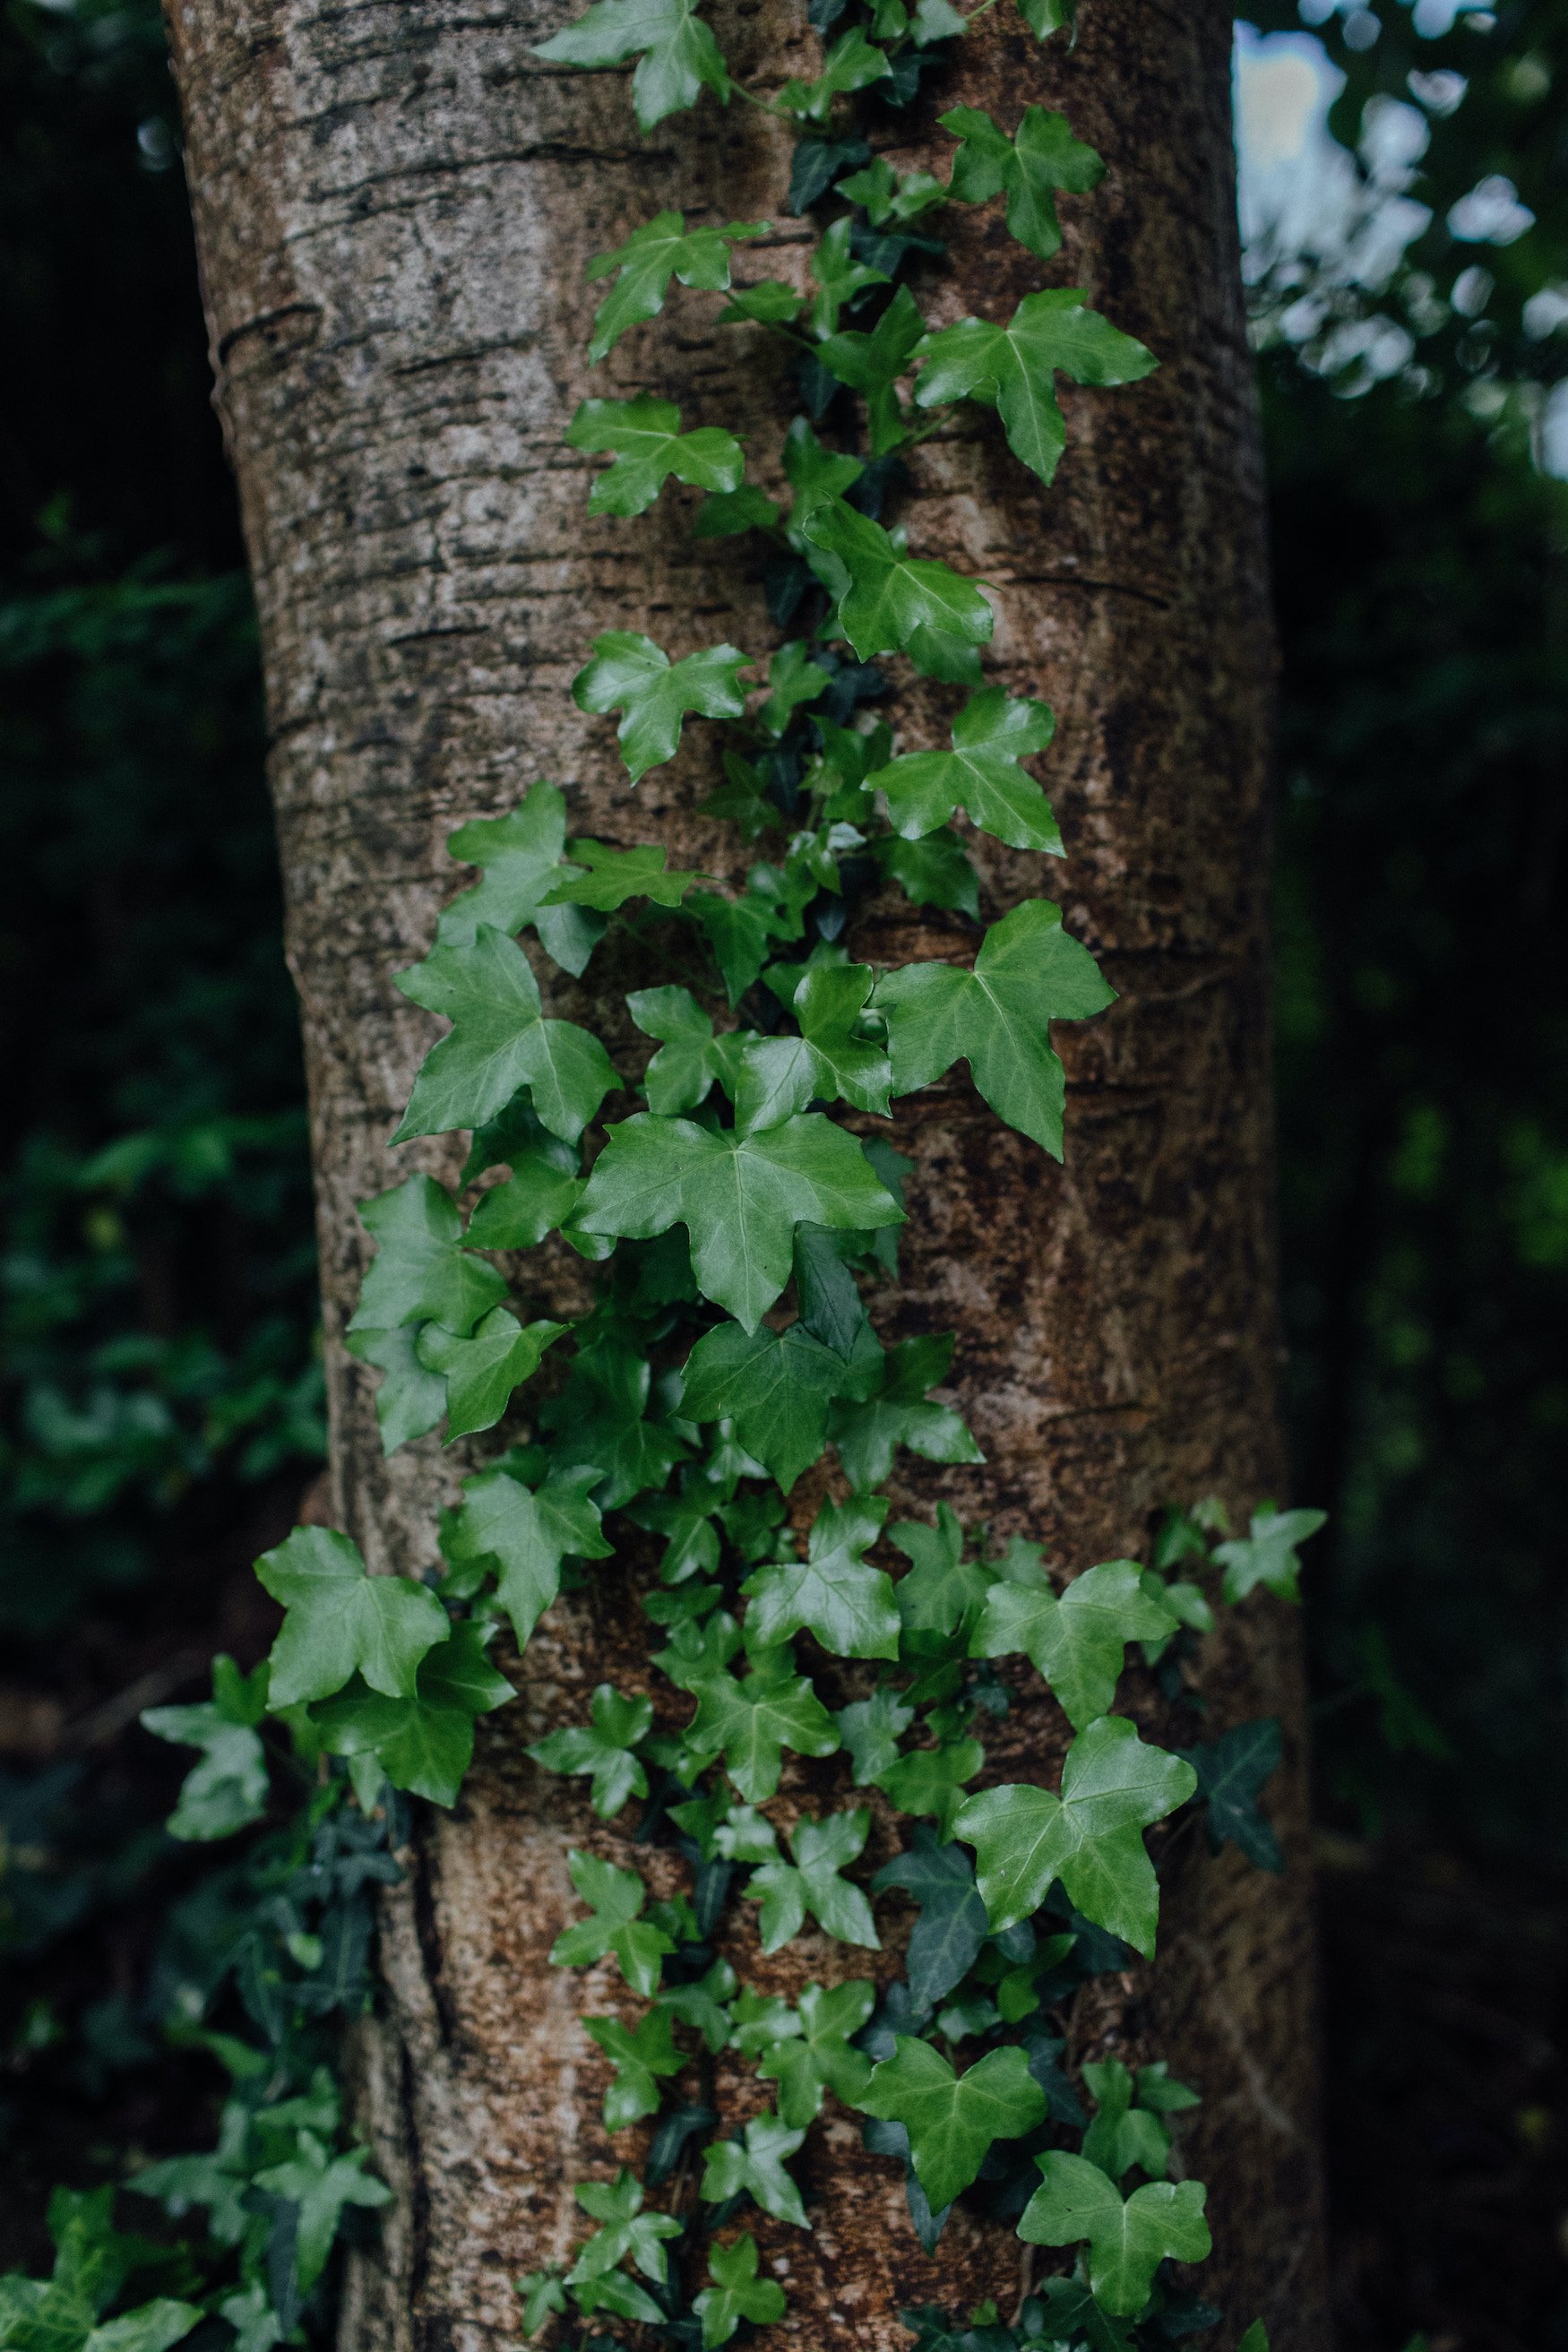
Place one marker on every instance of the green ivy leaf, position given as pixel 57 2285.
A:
pixel 424 1743
pixel 754 2167
pixel 420 1273
pixel 482 1371
pixel 872 364
pixel 891 1410
pixel 794 681
pixel 641 2059
pixel 692 1060
pixel 648 445
pixel 931 1780
pixel 840 276
pixel 341 1622
pixel 951 2119
pixel 409 1401
pixel 542 2296
pixel 743 931
pixel 753 1721
pixel 890 603
pixel 526 1534
pixel 851 64
pixel 1122 2134
pixel 833 1592
pixel 816 475
pixel 1266 1554
pixel 679 58
pixel 870 1729
pixel 1128 2238
pixel 780 1076
pixel 616 1899
pixel 602 1749
pixel 661 249
pixel 736 2294
pixel 1041 157
pixel 227 1789
pixel 630 674
pixel 740 1197
pixel 1231 1771
pixel 521 856
pixel 942 1586
pixel 1011 369
pixel 319 2185
pixel 814 1882
pixel 932 872
pixel 775 1387
pixel 1045 17
pixel 1029 973
pixel 981 773
pixel 812 2053
pixel 614 876
pixel 1077 1642
pixel 1089 1837
pixel 889 195
pixel 953 1924
pixel 624 2231
pixel 500 1040
pixel 539 1195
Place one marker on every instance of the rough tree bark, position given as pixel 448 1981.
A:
pixel 395 201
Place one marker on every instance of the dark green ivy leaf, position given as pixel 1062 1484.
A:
pixel 953 1926
pixel 890 603
pixel 420 1273
pixel 834 1593
pixel 1230 1772
pixel 952 2119
pixel 775 1387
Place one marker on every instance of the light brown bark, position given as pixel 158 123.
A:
pixel 395 201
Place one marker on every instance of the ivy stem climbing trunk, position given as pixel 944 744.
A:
pixel 395 203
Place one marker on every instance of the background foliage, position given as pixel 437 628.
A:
pixel 161 1418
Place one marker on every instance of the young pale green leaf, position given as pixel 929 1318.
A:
pixel 942 1586
pixel 1231 1771
pixel 753 1721
pixel 872 364
pixel 341 1622
pixel 1029 973
pixel 420 1273
pixel 814 1883
pixel 952 2119
pixel 632 675
pixel 602 1749
pixel 890 1408
pixel 1077 1642
pixel 981 773
pixel 851 64
pixel 500 1040
pixel 736 2294
pixel 424 1743
pixel 953 1924
pixel 1041 157
pixel 526 1534
pixel 1266 1554
pixel 812 2054
pixel 613 876
pixel 833 1592
pixel 661 249
pixel 482 1371
pixel 616 1899
pixel 892 603
pixel 780 1076
pixel 646 440
pixel 754 2167
pixel 1013 369
pixel 775 1387
pixel 740 1197
pixel 521 856
pixel 679 58
pixel 1089 1837
pixel 1128 2238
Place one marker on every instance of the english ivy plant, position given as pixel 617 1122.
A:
pixel 742 1223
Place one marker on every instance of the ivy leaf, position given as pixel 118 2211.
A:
pixel 872 364
pixel 1230 1772
pixel 528 1534
pixel 702 2007
pixel 614 876
pixel 661 249
pixel 409 1401
pixel 869 1430
pixel 227 1791
pixel 678 54
pixel 1089 1837
pixel 815 473
pixel 775 1387
pixel 648 445
pixel 780 1076
pixel 1045 17
pixel 889 195
pixel 616 1898
pixel 754 2167
pixel 1128 2238
pixel 520 855
pixel 1266 1554
pixel 482 1371
pixel 539 1195
pixel 815 2055
pixel 794 681
pixel 729 512
pixel 624 2230
pixel 420 1273
pixel 1077 1642
pixel 953 1924
pixel 891 603
pixel 1123 2134
pixel 741 931
pixel 932 872
pixel 500 1040
pixel 751 1722
pixel 1041 157
pixel 630 674
pixel 1011 369
pixel 951 2119
pixel 319 2185
pixel 641 2060
pixel 840 274
pixel 542 2295
pixel 736 2294
pixel 942 1586
pixel 981 773
pixel 692 1060
pixel 424 1743
pixel 851 64
pixel 1029 973
pixel 931 1780
pixel 341 1622
pixel 740 1197
pixel 602 1749
pixel 814 1883
pixel 833 1592
pixel 870 1729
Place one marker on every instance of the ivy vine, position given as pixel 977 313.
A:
pixel 740 1230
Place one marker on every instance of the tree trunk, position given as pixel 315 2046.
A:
pixel 395 202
